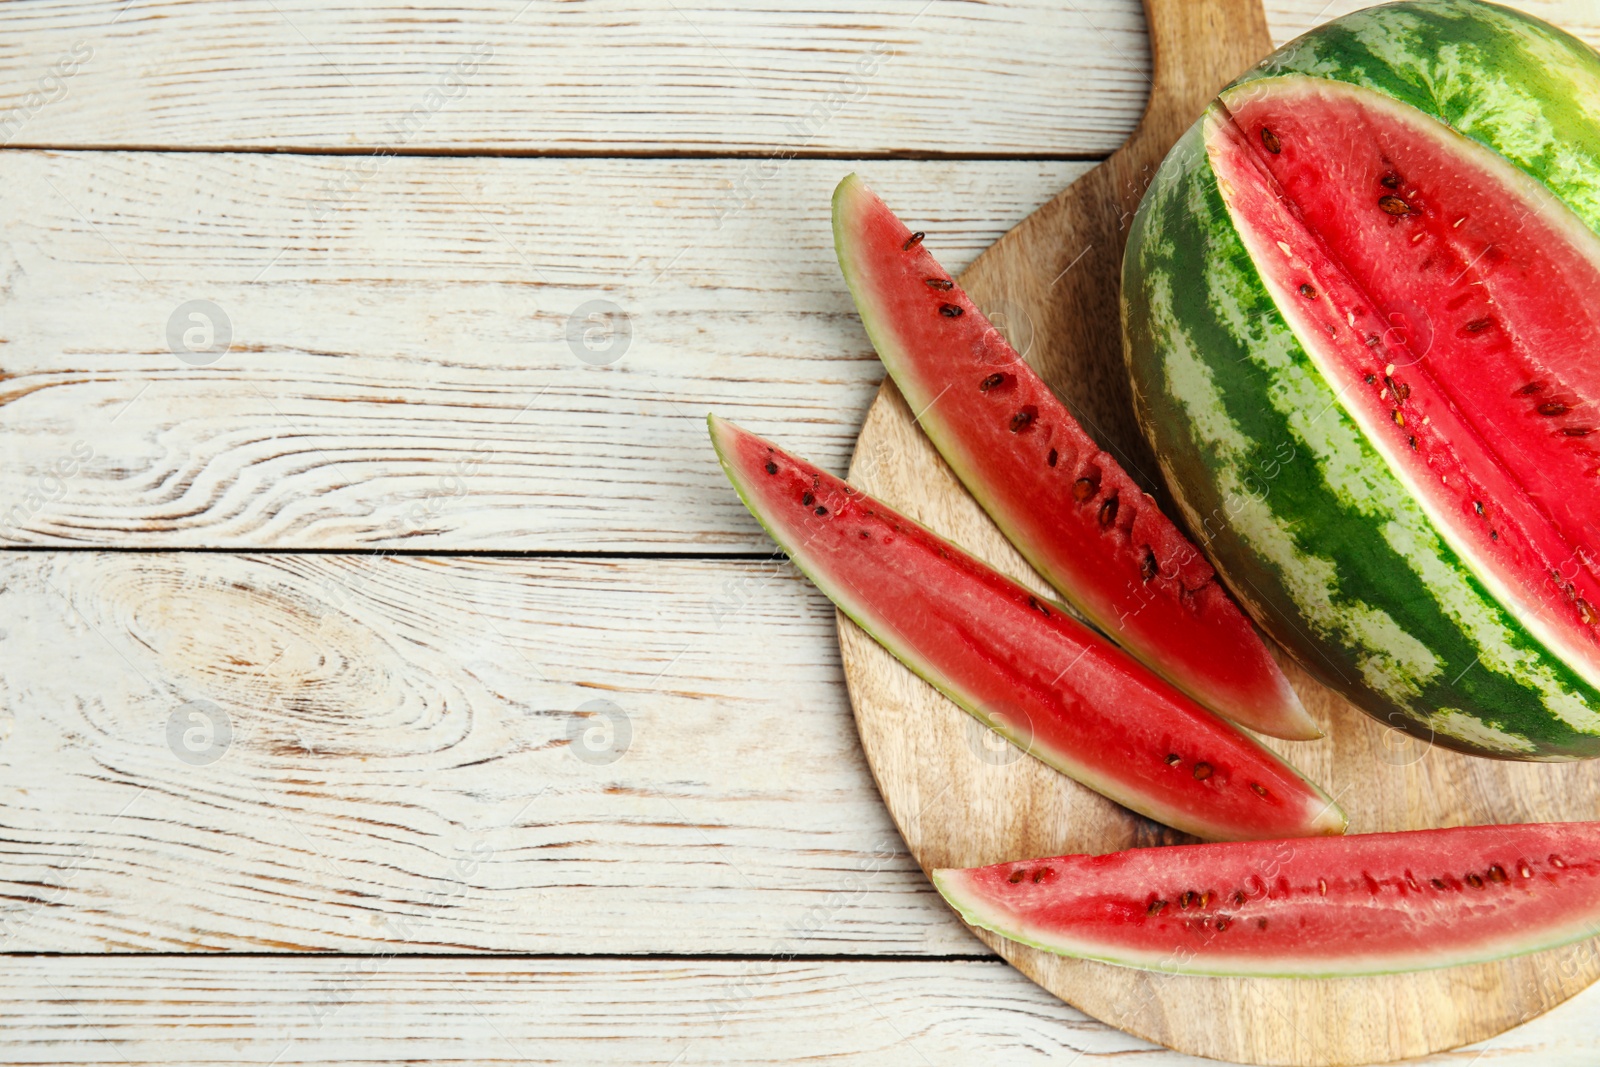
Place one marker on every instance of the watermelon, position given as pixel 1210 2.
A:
pixel 1067 505
pixel 1019 663
pixel 1308 908
pixel 1361 310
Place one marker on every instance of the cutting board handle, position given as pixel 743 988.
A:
pixel 1196 47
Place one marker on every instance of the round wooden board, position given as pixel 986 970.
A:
pixel 962 798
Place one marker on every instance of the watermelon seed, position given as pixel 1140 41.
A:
pixel 1438 884
pixel 1372 342
pixel 1555 861
pixel 1238 898
pixel 1148 569
pixel 1261 924
pixel 1393 205
pixel 772 468
pixel 944 285
pixel 1399 417
pixel 1401 390
pixel 1033 602
pixel 1530 389
pixel 1322 886
pixel 1478 325
pixel 1108 511
pixel 1551 408
pixel 1270 139
pixel 1577 431
pixel 950 311
pixel 865 536
pixel 1474 880
pixel 1172 758
pixel 1222 924
pixel 1477 505
pixel 1016 876
pixel 1187 899
pixel 1051 458
pixel 1024 418
pixel 1308 291
pixel 1372 377
pixel 1497 873
pixel 1260 790
pixel 990 382
pixel 1390 180
pixel 1585 612
pixel 1522 869
pixel 1202 770
pixel 820 510
pixel 807 499
pixel 1494 535
pixel 1205 899
pixel 1412 441
pixel 1155 907
pixel 913 241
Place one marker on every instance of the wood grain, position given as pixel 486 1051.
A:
pixel 611 76
pixel 403 371
pixel 416 763
pixel 314 1011
pixel 1056 275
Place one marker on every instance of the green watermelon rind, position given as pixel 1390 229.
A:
pixel 1334 557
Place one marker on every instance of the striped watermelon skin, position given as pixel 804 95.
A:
pixel 1302 516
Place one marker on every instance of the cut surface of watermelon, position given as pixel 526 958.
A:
pixel 1067 505
pixel 1313 907
pixel 1046 682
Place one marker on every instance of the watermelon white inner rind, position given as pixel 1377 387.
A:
pixel 1307 908
pixel 1355 259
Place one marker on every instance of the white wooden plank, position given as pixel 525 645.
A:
pixel 413 761
pixel 405 365
pixel 1001 77
pixel 309 1010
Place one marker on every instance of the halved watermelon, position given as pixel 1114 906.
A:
pixel 1022 666
pixel 1379 256
pixel 1068 506
pixel 1364 904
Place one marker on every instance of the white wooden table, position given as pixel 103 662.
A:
pixel 387 672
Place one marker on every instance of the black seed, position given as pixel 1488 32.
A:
pixel 950 311
pixel 1479 325
pixel 1021 419
pixel 1412 441
pixel 1393 205
pixel 1155 907
pixel 772 468
pixel 1401 390
pixel 865 536
pixel 1497 873
pixel 1038 875
pixel 1585 612
pixel 1051 458
pixel 1270 139
pixel 1033 602
pixel 1187 900
pixel 1477 505
pixel 1474 881
pixel 990 382
pixel 1172 758
pixel 1551 408
pixel 1530 388
pixel 944 285
pixel 807 499
pixel 1108 511
pixel 1372 342
pixel 1494 535
pixel 1202 771
pixel 1439 884
pixel 1390 181
pixel 1016 876
pixel 1371 378
pixel 820 510
pixel 1576 431
pixel 1148 569
pixel 1261 924
pixel 1083 489
pixel 913 241
pixel 1222 924
pixel 1260 790
pixel 1309 291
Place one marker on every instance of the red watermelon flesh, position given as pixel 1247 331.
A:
pixel 1313 907
pixel 1049 684
pixel 1455 306
pixel 1066 504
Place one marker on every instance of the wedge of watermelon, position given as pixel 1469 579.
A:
pixel 1068 506
pixel 1364 904
pixel 1019 664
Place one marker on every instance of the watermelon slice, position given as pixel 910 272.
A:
pixel 1066 504
pixel 1019 664
pixel 1364 904
pixel 1379 254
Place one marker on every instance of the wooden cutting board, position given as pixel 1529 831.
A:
pixel 962 797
